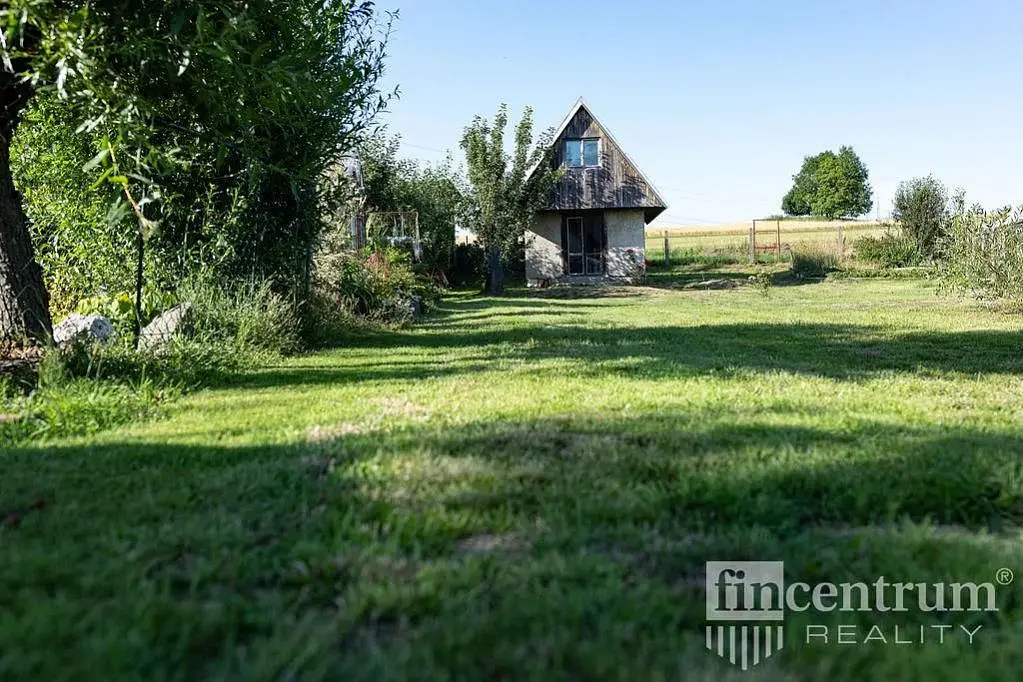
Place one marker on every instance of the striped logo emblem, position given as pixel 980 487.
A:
pixel 745 645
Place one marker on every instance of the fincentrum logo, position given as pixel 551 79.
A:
pixel 747 601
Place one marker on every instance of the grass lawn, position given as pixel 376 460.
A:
pixel 527 488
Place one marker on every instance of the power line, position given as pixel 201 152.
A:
pixel 429 149
pixel 695 221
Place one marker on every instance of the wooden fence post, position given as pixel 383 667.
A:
pixel 841 244
pixel 777 224
pixel 667 253
pixel 753 243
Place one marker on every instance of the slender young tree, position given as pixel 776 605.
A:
pixel 506 190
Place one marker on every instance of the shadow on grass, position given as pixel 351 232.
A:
pixel 198 557
pixel 845 352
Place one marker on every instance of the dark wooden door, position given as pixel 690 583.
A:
pixel 583 243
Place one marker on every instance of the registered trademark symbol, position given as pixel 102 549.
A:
pixel 1004 576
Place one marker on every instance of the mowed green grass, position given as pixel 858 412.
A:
pixel 527 488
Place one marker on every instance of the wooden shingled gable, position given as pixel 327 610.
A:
pixel 616 183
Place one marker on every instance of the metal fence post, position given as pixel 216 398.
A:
pixel 753 243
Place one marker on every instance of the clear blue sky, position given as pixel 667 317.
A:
pixel 719 101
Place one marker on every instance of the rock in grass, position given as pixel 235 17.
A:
pixel 84 329
pixel 415 306
pixel 158 333
pixel 712 284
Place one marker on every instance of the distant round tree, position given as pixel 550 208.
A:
pixel 921 208
pixel 830 185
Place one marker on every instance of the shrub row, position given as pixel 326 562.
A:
pixel 888 251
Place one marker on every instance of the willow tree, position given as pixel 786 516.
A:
pixel 167 86
pixel 507 190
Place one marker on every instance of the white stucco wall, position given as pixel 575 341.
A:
pixel 543 248
pixel 625 230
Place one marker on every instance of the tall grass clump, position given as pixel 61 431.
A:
pixel 63 403
pixel 82 387
pixel 700 256
pixel 812 262
pixel 227 329
pixel 251 320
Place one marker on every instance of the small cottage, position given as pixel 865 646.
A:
pixel 594 227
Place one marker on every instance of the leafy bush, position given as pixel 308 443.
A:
pixel 888 251
pixel 883 273
pixel 119 307
pixel 80 246
pixel 982 253
pixel 921 207
pixel 809 262
pixel 762 281
pixel 377 287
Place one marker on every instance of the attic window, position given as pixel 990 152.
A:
pixel 582 153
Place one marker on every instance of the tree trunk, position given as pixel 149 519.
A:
pixel 24 303
pixel 495 272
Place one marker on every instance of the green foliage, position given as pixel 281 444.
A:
pixel 888 251
pixel 85 389
pixel 376 286
pixel 811 262
pixel 250 323
pixel 435 191
pixel 981 253
pixel 119 308
pixel 63 404
pixel 848 272
pixel 507 190
pixel 830 185
pixel 210 123
pixel 697 255
pixel 578 458
pixel 921 208
pixel 798 201
pixel 80 248
pixel 762 281
pixel 470 266
pixel 228 329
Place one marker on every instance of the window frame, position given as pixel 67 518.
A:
pixel 581 141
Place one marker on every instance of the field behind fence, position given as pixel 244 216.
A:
pixel 731 243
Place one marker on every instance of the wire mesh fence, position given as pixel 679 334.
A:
pixel 760 241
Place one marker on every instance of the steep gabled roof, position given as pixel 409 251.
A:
pixel 618 183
